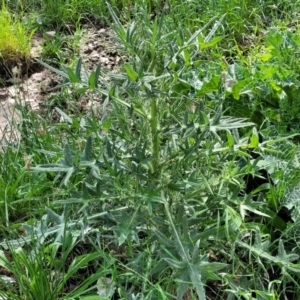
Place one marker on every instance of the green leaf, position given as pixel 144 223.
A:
pixel 254 140
pixel 211 43
pixel 68 176
pixel 257 251
pixel 4 261
pixel 78 69
pixel 217 116
pixel 130 72
pixel 183 284
pixel 283 256
pixel 97 74
pixel 107 124
pixel 92 80
pixel 158 267
pixel 51 168
pixel 230 139
pixel 81 91
pixel 68 156
pixel 87 154
pixel 54 216
pixel 175 263
pixel 163 239
pixel 196 279
pixel 72 76
pixel 95 297
pixel 80 262
pixel 241 88
pixel 229 123
pixel 262 187
pixel 250 208
pixel 58 72
pixel 187 57
pixel 209 86
pixel 119 27
pixel 214 29
pixel 64 115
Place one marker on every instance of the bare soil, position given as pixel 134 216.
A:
pixel 34 90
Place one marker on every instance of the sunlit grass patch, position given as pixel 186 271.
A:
pixel 15 39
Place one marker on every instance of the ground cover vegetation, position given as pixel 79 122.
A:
pixel 181 179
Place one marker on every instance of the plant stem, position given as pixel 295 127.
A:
pixel 155 135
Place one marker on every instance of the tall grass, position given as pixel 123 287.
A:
pixel 15 38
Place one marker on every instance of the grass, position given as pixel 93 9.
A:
pixel 184 183
pixel 14 38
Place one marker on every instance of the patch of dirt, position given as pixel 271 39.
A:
pixel 29 92
pixel 97 47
